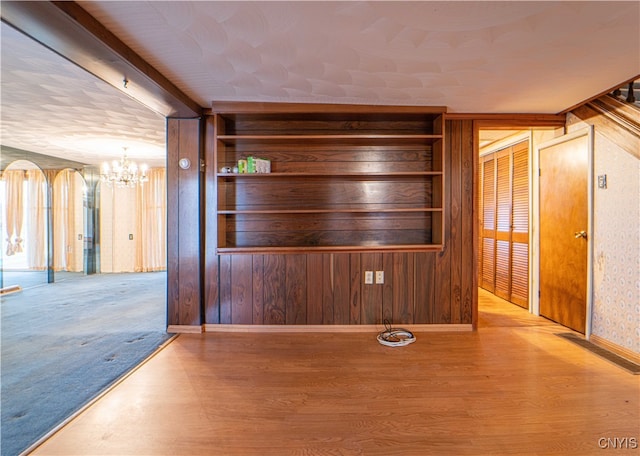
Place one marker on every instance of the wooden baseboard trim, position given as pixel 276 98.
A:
pixel 615 348
pixel 333 328
pixel 10 289
pixel 184 329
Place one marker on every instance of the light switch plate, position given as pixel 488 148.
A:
pixel 602 181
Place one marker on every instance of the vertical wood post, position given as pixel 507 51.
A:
pixel 184 292
pixel 211 282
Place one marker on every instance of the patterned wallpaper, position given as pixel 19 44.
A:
pixel 616 262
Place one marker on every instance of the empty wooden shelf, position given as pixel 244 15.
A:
pixel 343 178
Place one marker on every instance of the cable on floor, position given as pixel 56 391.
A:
pixel 395 337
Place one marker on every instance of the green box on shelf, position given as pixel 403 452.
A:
pixel 258 165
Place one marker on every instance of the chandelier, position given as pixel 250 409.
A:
pixel 123 172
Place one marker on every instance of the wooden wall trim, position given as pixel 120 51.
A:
pixel 184 329
pixel 333 328
pixel 510 121
pixel 615 348
pixel 235 107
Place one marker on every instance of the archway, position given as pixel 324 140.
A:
pixel 24 252
pixel 69 189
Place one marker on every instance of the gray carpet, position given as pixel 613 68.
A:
pixel 64 343
pixel 30 279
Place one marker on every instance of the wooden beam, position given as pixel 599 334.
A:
pixel 241 107
pixel 623 134
pixel 601 94
pixel 626 115
pixel 510 121
pixel 67 29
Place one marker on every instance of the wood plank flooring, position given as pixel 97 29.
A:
pixel 512 387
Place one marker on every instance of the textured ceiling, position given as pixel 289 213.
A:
pixel 52 107
pixel 484 56
pixel 473 57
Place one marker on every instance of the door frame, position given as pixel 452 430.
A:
pixel 535 225
pixel 524 135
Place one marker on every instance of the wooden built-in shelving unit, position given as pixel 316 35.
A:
pixel 343 178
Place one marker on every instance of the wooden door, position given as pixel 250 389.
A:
pixel 563 231
pixel 520 189
pixel 505 224
pixel 487 264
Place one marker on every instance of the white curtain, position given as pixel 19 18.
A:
pixel 67 254
pixel 36 220
pixel 151 251
pixel 14 181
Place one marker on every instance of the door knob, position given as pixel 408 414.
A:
pixel 580 234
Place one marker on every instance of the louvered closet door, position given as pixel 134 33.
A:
pixel 505 223
pixel 520 226
pixel 488 266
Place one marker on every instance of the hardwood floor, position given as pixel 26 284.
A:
pixel 512 387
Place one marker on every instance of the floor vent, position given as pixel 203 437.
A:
pixel 603 353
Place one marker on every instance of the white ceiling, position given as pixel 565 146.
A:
pixel 52 107
pixel 473 57
pixel 483 56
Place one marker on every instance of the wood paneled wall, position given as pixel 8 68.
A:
pixel 316 289
pixel 184 210
pixel 326 288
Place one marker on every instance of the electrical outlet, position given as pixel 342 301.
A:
pixel 379 276
pixel 368 277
